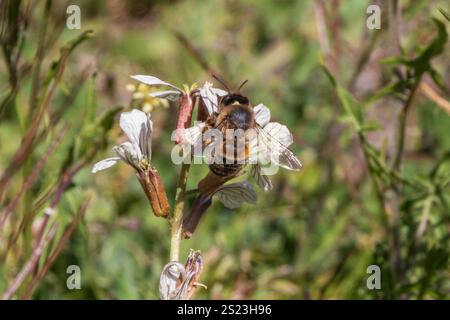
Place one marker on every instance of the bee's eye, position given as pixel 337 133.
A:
pixel 226 100
pixel 243 100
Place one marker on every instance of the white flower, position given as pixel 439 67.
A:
pixel 136 152
pixel 178 282
pixel 207 92
pixel 168 280
pixel 271 147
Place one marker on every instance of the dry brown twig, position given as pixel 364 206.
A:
pixel 440 101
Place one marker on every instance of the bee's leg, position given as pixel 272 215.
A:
pixel 201 204
pixel 207 187
pixel 211 121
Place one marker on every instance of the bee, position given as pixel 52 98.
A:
pixel 234 113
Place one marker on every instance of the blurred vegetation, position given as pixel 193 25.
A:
pixel 369 111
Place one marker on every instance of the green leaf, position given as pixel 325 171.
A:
pixel 422 63
pixel 370 126
pixel 386 90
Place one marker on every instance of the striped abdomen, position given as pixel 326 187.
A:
pixel 226 169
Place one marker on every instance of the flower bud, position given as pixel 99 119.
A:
pixel 184 115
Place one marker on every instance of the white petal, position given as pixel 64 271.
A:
pixel 129 153
pixel 145 138
pixel 262 114
pixel 253 149
pixel 219 92
pixel 273 141
pixel 138 127
pixel 263 181
pixel 234 195
pixel 168 280
pixel 104 164
pixel 182 293
pixel 153 81
pixel 280 133
pixel 209 96
pixel 168 94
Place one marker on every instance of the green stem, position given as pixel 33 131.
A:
pixel 402 126
pixel 190 192
pixel 177 217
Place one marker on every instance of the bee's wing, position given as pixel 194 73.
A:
pixel 262 180
pixel 273 141
pixel 235 194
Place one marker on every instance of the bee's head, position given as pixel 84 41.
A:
pixel 234 98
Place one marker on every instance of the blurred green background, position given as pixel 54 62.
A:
pixel 316 232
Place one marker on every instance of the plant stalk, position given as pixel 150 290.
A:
pixel 177 217
pixel 402 126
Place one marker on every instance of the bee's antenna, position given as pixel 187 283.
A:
pixel 221 81
pixel 242 84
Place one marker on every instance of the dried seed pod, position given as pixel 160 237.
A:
pixel 154 189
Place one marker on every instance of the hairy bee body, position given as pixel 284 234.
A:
pixel 234 116
pixel 235 113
